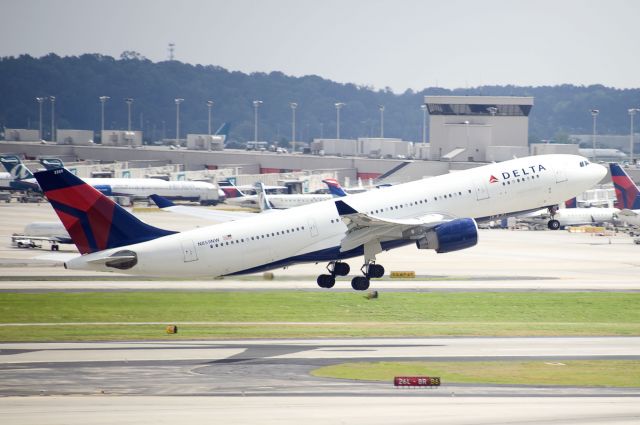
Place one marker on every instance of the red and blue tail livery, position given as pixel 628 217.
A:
pixel 94 222
pixel 334 188
pixel 627 193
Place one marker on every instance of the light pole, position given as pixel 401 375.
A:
pixel 293 106
pixel 103 100
pixel 209 106
pixel 256 105
pixel 338 106
pixel 129 101
pixel 381 108
pixel 424 123
pixel 53 118
pixel 594 114
pixel 40 101
pixel 178 102
pixel 632 113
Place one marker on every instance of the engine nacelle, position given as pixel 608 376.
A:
pixel 454 235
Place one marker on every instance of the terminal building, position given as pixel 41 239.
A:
pixel 478 128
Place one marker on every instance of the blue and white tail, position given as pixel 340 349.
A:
pixel 263 200
pixel 22 178
pixel 94 222
pixel 627 193
pixel 15 167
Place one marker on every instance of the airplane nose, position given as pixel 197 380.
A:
pixel 598 172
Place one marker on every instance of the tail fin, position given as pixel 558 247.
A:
pixel 51 163
pixel 15 167
pixel 571 203
pixel 93 221
pixel 223 130
pixel 263 202
pixel 334 188
pixel 229 189
pixel 627 193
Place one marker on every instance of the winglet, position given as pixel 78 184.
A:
pixel 344 209
pixel 161 202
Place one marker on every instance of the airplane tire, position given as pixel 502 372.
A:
pixel 360 283
pixel 341 269
pixel 326 281
pixel 553 224
pixel 376 270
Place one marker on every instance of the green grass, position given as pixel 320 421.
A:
pixel 350 314
pixel 591 373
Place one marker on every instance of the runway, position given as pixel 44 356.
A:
pixel 269 382
pixel 279 367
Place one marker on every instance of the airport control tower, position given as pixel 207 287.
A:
pixel 478 128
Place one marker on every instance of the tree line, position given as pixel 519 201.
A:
pixel 77 82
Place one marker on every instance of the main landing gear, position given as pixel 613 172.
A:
pixel 335 268
pixel 369 270
pixel 553 224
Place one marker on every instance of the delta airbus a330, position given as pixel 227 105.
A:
pixel 435 213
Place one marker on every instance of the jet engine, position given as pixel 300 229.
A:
pixel 454 235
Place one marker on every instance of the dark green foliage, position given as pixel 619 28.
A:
pixel 77 82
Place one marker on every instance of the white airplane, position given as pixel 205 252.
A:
pixel 564 217
pixel 205 193
pixel 281 201
pixel 627 196
pixel 434 213
pixel 37 232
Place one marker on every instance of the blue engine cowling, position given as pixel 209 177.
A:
pixel 454 235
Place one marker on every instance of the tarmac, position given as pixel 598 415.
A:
pixel 269 381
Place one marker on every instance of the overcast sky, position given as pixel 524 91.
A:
pixel 381 43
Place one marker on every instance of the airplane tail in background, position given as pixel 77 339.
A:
pixel 93 221
pixel 263 201
pixel 15 167
pixel 571 203
pixel 334 188
pixel 627 193
pixel 223 130
pixel 51 163
pixel 229 189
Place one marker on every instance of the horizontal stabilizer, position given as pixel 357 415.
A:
pixel 344 209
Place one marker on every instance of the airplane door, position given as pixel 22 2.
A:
pixel 482 192
pixel 561 175
pixel 189 251
pixel 313 228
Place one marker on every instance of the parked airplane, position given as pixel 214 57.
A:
pixel 435 213
pixel 37 232
pixel 279 201
pixel 561 218
pixel 627 195
pixel 205 193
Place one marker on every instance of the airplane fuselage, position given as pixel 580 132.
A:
pixel 314 232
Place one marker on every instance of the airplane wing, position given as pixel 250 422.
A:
pixel 207 214
pixel 364 228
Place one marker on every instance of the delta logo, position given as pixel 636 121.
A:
pixel 493 179
pixel 533 169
